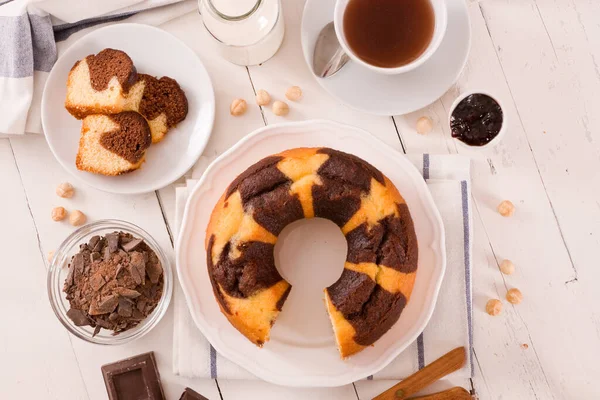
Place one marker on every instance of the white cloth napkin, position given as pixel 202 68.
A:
pixel 34 32
pixel 448 178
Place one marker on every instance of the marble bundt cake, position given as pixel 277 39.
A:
pixel 108 83
pixel 113 144
pixel 381 262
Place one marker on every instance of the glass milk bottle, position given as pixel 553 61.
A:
pixel 246 32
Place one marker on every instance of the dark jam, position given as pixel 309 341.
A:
pixel 476 120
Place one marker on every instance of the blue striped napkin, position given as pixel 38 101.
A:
pixel 448 179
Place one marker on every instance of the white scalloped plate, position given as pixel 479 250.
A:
pixel 310 254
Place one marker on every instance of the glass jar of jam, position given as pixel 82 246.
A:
pixel 477 120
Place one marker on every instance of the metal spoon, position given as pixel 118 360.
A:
pixel 328 57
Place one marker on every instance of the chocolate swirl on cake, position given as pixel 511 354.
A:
pixel 111 63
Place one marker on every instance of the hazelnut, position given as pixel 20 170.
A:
pixel 50 255
pixel 514 296
pixel 262 97
pixel 65 190
pixel 59 213
pixel 506 208
pixel 280 108
pixel 238 107
pixel 77 218
pixel 507 267
pixel 493 307
pixel 294 93
pixel 424 125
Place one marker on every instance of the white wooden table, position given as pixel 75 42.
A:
pixel 542 58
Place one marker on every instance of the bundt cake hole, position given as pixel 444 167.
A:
pixel 310 254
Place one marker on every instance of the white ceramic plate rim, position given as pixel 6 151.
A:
pixel 254 366
pixel 206 128
pixel 387 109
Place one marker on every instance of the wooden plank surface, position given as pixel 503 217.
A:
pixel 540 58
pixel 38 360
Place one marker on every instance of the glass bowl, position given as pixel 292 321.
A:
pixel 58 271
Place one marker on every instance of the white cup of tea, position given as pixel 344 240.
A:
pixel 389 39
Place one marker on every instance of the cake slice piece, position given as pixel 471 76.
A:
pixel 113 144
pixel 163 103
pixel 108 83
pixel 101 83
pixel 343 331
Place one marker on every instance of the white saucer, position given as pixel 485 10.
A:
pixel 153 52
pixel 302 349
pixel 367 91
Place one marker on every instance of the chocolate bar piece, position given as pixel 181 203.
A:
pixel 133 378
pixel 190 394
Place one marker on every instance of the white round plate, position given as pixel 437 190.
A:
pixel 154 52
pixel 374 93
pixel 310 254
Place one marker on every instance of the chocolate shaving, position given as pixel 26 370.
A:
pixel 131 245
pixel 103 323
pixel 78 317
pixel 128 293
pixel 78 265
pixel 69 281
pixel 152 291
pixel 104 306
pixel 138 315
pixel 106 253
pixel 141 305
pixel 113 241
pixel 106 286
pixel 125 308
pixel 97 281
pixel 121 327
pixel 123 255
pixel 119 269
pixel 94 241
pixel 153 269
pixel 137 267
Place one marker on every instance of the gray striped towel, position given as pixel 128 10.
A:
pixel 448 179
pixel 34 32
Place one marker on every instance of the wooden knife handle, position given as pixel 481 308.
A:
pixel 441 367
pixel 456 393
